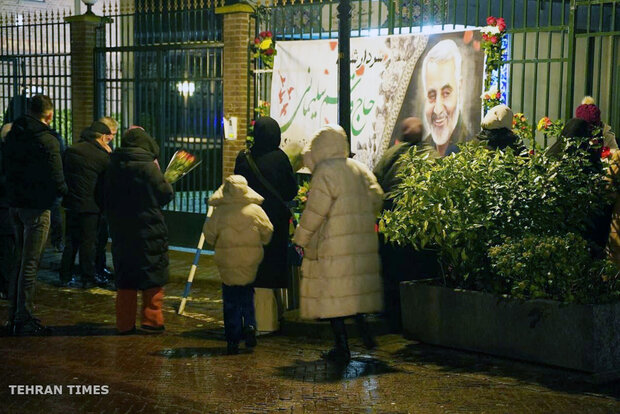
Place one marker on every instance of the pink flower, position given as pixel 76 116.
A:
pixel 499 95
pixel 491 21
pixel 494 39
pixel 501 24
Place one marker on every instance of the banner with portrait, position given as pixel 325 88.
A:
pixel 436 77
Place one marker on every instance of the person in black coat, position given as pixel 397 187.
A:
pixel 34 178
pixel 399 262
pixel 134 192
pixel 276 168
pixel 7 234
pixel 496 131
pixel 84 165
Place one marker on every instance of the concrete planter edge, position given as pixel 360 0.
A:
pixel 580 337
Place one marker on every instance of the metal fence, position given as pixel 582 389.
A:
pixel 35 57
pixel 557 50
pixel 159 65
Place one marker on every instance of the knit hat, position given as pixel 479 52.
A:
pixel 589 113
pixel 498 117
pixel 412 130
pixel 139 138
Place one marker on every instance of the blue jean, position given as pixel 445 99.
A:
pixel 238 311
pixel 31 228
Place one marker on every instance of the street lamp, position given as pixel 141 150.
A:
pixel 89 4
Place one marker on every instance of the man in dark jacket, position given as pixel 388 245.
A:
pixel 398 262
pixel 7 234
pixel 84 166
pixel 35 179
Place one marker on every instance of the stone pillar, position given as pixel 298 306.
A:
pixel 83 42
pixel 238 24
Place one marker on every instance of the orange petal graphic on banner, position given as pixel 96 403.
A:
pixel 332 45
pixel 360 71
pixel 326 72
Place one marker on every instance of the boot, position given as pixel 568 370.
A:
pixel 152 315
pixel 340 352
pixel 367 339
pixel 126 306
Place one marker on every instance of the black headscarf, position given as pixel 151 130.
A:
pixel 266 135
pixel 139 138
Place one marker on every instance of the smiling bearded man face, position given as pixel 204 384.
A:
pixel 442 84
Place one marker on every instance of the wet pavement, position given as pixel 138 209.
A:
pixel 185 370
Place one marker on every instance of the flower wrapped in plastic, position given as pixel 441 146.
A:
pixel 180 164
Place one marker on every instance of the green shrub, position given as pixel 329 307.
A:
pixel 464 204
pixel 554 267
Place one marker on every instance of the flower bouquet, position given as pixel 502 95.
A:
pixel 264 47
pixel 181 163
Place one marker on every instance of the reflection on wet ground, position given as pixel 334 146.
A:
pixel 187 370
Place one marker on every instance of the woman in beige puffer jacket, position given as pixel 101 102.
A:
pixel 341 267
pixel 238 228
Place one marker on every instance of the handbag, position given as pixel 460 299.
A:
pixel 294 253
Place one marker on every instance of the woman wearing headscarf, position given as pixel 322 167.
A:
pixel 135 191
pixel 275 167
pixel 341 267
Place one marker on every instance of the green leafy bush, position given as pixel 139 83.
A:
pixel 554 267
pixel 464 204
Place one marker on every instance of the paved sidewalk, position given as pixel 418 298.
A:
pixel 186 370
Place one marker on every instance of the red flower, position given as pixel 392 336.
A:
pixel 605 152
pixel 269 34
pixel 262 34
pixel 499 95
pixel 494 39
pixel 501 24
pixel 531 152
pixel 491 21
pixel 252 122
pixel 256 40
pixel 268 52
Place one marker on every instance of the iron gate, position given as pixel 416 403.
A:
pixel 35 58
pixel 159 65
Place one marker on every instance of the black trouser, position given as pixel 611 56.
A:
pixel 81 235
pixel 102 241
pixel 7 261
pixel 340 331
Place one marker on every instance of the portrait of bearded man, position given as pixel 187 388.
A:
pixel 442 83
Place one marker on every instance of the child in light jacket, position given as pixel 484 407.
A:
pixel 238 229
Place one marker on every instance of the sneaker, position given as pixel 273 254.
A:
pixel 32 327
pixel 103 281
pixel 74 282
pixel 232 348
pixel 249 333
pixel 59 247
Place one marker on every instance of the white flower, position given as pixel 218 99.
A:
pixel 491 93
pixel 490 30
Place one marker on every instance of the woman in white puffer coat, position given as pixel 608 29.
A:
pixel 341 267
pixel 238 228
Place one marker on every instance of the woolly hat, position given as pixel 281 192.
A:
pixel 589 113
pixel 139 138
pixel 412 130
pixel 498 117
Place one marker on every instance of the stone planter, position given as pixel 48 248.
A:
pixel 581 337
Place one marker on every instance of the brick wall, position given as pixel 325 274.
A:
pixel 82 71
pixel 236 73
